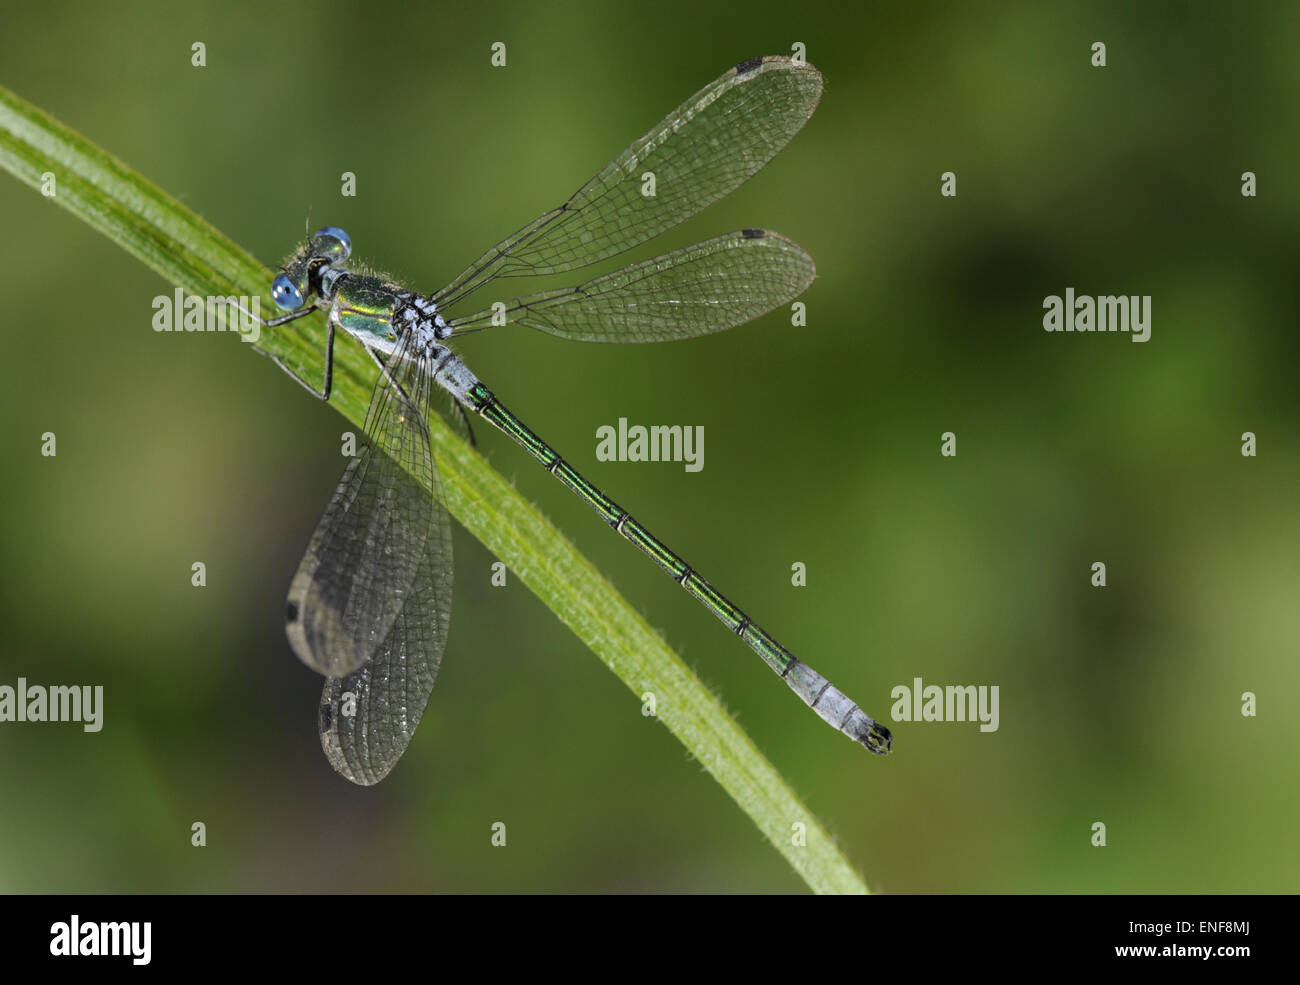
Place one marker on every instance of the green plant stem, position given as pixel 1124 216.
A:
pixel 192 254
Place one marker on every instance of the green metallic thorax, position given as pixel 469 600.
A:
pixel 363 306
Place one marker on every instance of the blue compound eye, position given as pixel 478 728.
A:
pixel 285 295
pixel 344 241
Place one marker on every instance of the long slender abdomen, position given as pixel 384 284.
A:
pixel 830 703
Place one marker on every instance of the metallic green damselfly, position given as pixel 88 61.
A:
pixel 370 605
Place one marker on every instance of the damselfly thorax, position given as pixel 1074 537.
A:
pixel 374 310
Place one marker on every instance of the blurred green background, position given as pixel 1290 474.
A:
pixel 1119 705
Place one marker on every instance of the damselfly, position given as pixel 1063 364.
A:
pixel 370 605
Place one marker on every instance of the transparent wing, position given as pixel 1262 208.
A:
pixel 360 566
pixel 704 288
pixel 700 152
pixel 367 719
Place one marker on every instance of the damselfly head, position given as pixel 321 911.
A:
pixel 301 279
